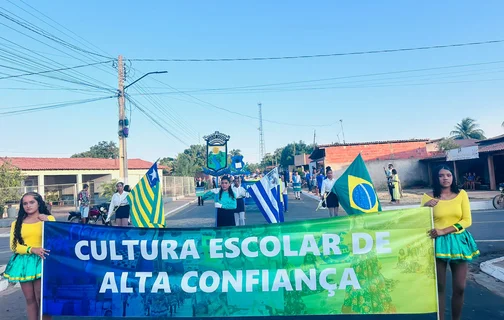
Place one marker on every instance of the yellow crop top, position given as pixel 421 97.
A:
pixel 31 234
pixel 455 212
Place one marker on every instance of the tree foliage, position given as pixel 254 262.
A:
pixel 104 150
pixel 191 161
pixel 468 129
pixel 447 144
pixel 108 189
pixel 11 179
pixel 170 164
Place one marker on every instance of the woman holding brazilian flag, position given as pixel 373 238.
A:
pixel 353 190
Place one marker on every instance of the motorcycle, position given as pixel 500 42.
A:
pixel 97 214
pixel 498 200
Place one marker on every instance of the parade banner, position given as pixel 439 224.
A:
pixel 200 191
pixel 296 186
pixel 378 264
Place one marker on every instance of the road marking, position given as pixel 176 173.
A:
pixel 502 240
pixel 8 251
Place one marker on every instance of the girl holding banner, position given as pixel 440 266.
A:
pixel 25 266
pixel 225 203
pixel 454 245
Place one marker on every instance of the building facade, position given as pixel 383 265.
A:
pixel 483 158
pixel 65 177
pixel 405 155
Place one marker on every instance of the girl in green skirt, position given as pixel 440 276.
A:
pixel 454 244
pixel 26 243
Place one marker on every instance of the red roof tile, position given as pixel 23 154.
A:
pixel 492 147
pixel 322 146
pixel 74 163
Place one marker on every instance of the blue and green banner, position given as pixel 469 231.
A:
pixel 200 191
pixel 296 186
pixel 368 266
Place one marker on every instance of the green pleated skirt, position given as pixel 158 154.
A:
pixel 456 247
pixel 23 268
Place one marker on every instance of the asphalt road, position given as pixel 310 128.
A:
pixel 484 296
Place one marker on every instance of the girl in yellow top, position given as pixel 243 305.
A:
pixel 454 244
pixel 26 243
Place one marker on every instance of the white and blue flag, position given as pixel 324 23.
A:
pixel 266 194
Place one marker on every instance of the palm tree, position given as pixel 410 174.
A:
pixel 467 129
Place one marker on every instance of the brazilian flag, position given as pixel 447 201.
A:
pixel 355 189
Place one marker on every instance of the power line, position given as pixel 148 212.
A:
pixel 47 35
pixel 53 106
pixel 156 122
pixel 55 70
pixel 341 78
pixel 56 22
pixel 466 44
pixel 242 114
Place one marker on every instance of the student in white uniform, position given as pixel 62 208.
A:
pixel 120 206
pixel 332 201
pixel 240 194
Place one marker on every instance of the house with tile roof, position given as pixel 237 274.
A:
pixel 66 176
pixel 485 158
pixel 403 154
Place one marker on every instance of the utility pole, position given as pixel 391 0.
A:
pixel 261 133
pixel 123 154
pixel 123 123
pixel 314 138
pixel 342 131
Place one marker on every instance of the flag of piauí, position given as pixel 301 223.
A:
pixel 146 201
pixel 355 189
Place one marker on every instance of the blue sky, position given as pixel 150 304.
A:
pixel 424 104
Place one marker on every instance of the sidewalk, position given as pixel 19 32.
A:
pixel 494 268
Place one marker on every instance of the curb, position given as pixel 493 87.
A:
pixel 489 268
pixel 179 208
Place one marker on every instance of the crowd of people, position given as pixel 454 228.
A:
pixel 454 245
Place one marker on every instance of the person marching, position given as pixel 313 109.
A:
pixel 25 266
pixel 240 194
pixel 296 178
pixel 454 245
pixel 120 206
pixel 225 203
pixel 283 190
pixel 332 200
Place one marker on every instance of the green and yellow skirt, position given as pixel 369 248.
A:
pixel 456 247
pixel 23 268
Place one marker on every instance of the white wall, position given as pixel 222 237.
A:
pixel 411 172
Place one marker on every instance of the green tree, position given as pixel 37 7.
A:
pixel 235 152
pixel 447 144
pixel 288 152
pixel 252 167
pixel 467 129
pixel 190 161
pixel 104 150
pixel 11 179
pixel 108 189
pixel 170 163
